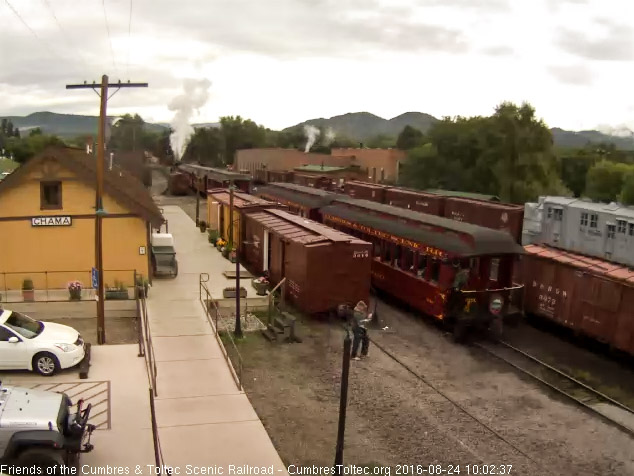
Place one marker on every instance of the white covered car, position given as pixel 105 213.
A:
pixel 44 347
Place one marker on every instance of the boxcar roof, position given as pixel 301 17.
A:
pixel 298 229
pixel 593 265
pixel 240 200
pixel 300 198
pixel 457 193
pixel 483 241
pixel 222 174
pixel 301 188
pixel 448 223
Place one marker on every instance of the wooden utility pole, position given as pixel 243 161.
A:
pixel 99 211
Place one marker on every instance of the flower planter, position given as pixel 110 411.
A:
pixel 116 294
pixel 75 295
pixel 260 288
pixel 28 294
pixel 231 292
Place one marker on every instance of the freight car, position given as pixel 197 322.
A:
pixel 179 183
pixel 588 295
pixel 459 273
pixel 499 216
pixel 423 202
pixel 205 178
pixel 365 190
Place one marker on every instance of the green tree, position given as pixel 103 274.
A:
pixel 627 192
pixel 605 181
pixel 240 134
pixel 128 134
pixel 410 138
pixel 382 141
pixel 205 147
pixel 574 166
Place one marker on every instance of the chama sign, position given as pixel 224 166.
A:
pixel 52 221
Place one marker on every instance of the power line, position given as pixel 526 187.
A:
pixel 105 16
pixel 127 61
pixel 66 37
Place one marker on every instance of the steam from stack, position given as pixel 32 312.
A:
pixel 195 95
pixel 312 133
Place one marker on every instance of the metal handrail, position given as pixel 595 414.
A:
pixel 213 322
pixel 271 296
pixel 146 346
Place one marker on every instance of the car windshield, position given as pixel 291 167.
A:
pixel 24 325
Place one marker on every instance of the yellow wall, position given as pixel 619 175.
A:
pixel 30 250
pixel 226 209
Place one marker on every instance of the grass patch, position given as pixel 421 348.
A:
pixel 7 165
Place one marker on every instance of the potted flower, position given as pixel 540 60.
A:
pixel 74 289
pixel 203 226
pixel 118 291
pixel 232 255
pixel 261 285
pixel 142 286
pixel 220 244
pixel 28 290
pixel 230 292
pixel 212 236
pixel 226 250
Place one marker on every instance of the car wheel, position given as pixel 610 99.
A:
pixel 45 364
pixel 50 460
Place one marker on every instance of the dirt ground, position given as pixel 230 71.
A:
pixel 395 418
pixel 470 409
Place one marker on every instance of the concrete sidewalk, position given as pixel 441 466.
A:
pixel 203 418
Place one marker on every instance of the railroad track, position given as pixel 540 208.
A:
pixel 607 408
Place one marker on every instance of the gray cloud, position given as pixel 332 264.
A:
pixel 577 75
pixel 614 44
pixel 501 50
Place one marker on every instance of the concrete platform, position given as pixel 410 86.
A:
pixel 203 418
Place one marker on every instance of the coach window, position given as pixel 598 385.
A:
pixel 376 248
pixel 435 270
pixel 387 252
pixel 494 271
pixel 422 266
pixel 408 259
pixel 398 257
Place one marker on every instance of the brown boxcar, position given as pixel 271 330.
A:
pixel 303 201
pixel 283 176
pixel 589 295
pixel 499 216
pixel 323 267
pixel 417 201
pixel 366 191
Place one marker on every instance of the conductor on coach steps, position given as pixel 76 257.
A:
pixel 359 322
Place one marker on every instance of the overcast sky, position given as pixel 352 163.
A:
pixel 280 62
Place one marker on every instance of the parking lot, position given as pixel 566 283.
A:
pixel 117 386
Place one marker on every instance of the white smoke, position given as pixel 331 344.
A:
pixel 329 137
pixel 312 133
pixel 622 130
pixel 195 95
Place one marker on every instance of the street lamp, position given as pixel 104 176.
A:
pixel 343 401
pixel 238 327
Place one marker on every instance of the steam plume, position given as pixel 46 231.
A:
pixel 619 131
pixel 195 95
pixel 312 133
pixel 329 136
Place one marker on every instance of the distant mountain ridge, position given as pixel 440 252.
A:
pixel 357 125
pixel 363 125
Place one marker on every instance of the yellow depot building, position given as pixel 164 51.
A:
pixel 47 223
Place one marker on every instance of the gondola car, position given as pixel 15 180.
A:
pixel 456 272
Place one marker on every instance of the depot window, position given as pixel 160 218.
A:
pixel 559 213
pixel 584 219
pixel 631 225
pixel 50 195
pixel 594 219
pixel 621 226
pixel 611 231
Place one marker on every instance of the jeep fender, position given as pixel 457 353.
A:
pixel 33 438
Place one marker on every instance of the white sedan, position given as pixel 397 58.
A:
pixel 44 347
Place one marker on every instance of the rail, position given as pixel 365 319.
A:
pixel 271 297
pixel 146 350
pixel 52 286
pixel 208 302
pixel 581 393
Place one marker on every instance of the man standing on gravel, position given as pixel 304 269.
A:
pixel 359 322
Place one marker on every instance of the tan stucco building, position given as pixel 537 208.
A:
pixel 47 222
